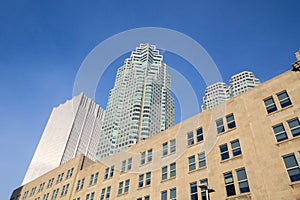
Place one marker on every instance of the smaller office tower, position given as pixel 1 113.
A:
pixel 215 94
pixel 242 82
pixel 72 129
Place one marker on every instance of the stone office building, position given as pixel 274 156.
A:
pixel 246 148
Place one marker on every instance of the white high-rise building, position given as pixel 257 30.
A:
pixel 242 82
pixel 72 129
pixel 219 92
pixel 140 104
pixel 215 94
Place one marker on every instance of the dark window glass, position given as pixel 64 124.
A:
pixel 242 180
pixel 190 138
pixel 229 184
pixel 199 134
pixel 220 126
pixel 280 133
pixel 230 121
pixel 224 152
pixel 284 99
pixel 192 164
pixel 164 195
pixel 294 127
pixel 236 148
pixel 270 105
pixel 193 191
pixel 292 167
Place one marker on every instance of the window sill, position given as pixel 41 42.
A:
pixel 229 130
pixel 288 140
pixel 147 186
pixel 229 159
pixel 163 156
pixel 248 195
pixel 122 194
pixel 145 164
pixel 195 144
pixel 293 184
pixel 280 110
pixel 199 169
pixel 107 179
pixel 169 179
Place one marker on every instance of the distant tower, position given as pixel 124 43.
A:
pixel 242 82
pixel 219 92
pixel 215 94
pixel 140 104
pixel 72 129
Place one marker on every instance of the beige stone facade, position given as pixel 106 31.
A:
pixel 172 161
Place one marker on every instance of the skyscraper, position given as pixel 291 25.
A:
pixel 242 82
pixel 72 129
pixel 219 92
pixel 140 104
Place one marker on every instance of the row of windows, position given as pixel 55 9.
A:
pixel 280 130
pixel 283 99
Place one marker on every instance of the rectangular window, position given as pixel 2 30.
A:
pixel 230 121
pixel 123 169
pixel 96 178
pixel 270 105
pixel 164 195
pixel 106 173
pixel 102 194
pixel 149 155
pixel 143 158
pixel 165 149
pixel 190 138
pixel 148 178
pixel 193 191
pixel 292 167
pixel 173 194
pixel 147 198
pixel 129 165
pixel 87 197
pixel 284 99
pixel 91 180
pixel 120 187
pixel 141 180
pixel 108 192
pixel 280 133
pixel 229 184
pixel 127 183
pixel 82 184
pixel 199 133
pixel 164 173
pixel 172 170
pixel 236 148
pixel 92 195
pixel 220 126
pixel 203 191
pixel 172 145
pixel 192 164
pixel 242 180
pixel 294 127
pixel 112 169
pixel 224 152
pixel 202 161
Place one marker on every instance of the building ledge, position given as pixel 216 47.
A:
pixel 232 158
pixel 144 187
pixel 199 169
pixel 280 110
pixel 247 195
pixel 225 132
pixel 195 144
pixel 169 179
pixel 164 156
pixel 288 140
pixel 293 184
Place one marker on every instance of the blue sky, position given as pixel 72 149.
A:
pixel 43 43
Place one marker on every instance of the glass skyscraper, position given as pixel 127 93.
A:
pixel 140 104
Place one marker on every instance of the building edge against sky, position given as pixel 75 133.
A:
pixel 140 105
pixel 72 129
pixel 256 155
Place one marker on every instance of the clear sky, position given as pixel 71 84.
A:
pixel 43 43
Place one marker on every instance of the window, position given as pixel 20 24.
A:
pixel 203 191
pixel 148 178
pixel 201 158
pixel 230 121
pixel 129 165
pixel 65 190
pixel 91 180
pixel 229 184
pixel 220 126
pixel 143 158
pixel 193 191
pixel 270 105
pixel 106 173
pixel 192 164
pixel 284 99
pixel 123 169
pixel 280 133
pixel 108 192
pixel 224 152
pixel 164 173
pixel 190 138
pixel 82 184
pixel 54 194
pixel 102 194
pixel 149 155
pixel 69 173
pixel 173 194
pixel 165 149
pixel 147 198
pixel 60 177
pixel 112 169
pixel 294 127
pixel 199 133
pixel 172 170
pixel 292 167
pixel 164 195
pixel 172 145
pixel 236 148
pixel 141 180
pixel 242 180
pixel 50 182
pixel 127 183
pixel 120 191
